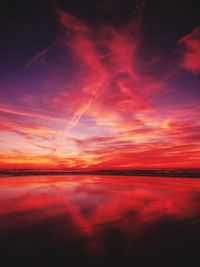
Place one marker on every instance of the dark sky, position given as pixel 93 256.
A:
pixel 29 26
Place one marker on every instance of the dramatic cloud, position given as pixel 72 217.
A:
pixel 92 104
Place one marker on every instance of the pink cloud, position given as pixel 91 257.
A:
pixel 191 56
pixel 107 115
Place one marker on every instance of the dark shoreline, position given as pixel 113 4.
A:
pixel 176 173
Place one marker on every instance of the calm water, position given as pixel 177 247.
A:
pixel 99 221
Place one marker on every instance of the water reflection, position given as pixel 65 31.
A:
pixel 98 220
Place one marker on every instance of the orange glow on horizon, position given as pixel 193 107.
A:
pixel 110 113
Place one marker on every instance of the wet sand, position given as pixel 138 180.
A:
pixel 91 220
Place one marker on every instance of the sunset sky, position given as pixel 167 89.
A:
pixel 99 84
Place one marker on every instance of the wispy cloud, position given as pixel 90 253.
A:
pixel 107 113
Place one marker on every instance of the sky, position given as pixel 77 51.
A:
pixel 99 84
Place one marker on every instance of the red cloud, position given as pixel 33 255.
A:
pixel 108 83
pixel 191 56
pixel 109 114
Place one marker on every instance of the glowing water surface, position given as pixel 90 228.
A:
pixel 98 220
